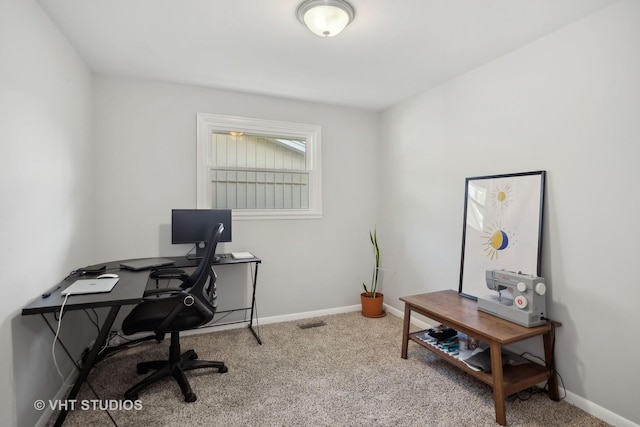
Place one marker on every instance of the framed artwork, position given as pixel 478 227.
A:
pixel 502 228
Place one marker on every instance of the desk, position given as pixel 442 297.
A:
pixel 129 291
pixel 461 314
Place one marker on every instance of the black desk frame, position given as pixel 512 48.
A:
pixel 129 291
pixel 227 259
pixel 254 281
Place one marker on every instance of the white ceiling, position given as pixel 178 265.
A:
pixel 392 50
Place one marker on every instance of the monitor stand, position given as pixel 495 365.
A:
pixel 201 248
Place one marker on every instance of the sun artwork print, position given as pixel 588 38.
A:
pixel 501 197
pixel 495 238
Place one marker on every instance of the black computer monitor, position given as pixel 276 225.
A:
pixel 195 226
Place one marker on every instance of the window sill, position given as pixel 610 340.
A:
pixel 276 214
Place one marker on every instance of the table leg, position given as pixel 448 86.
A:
pixel 498 383
pixel 253 305
pixel 405 330
pixel 547 340
pixel 88 364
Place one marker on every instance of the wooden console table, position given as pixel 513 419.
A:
pixel 461 314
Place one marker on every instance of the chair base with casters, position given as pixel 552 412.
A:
pixel 176 367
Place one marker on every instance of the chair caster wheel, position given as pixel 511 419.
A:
pixel 223 370
pixel 190 397
pixel 194 356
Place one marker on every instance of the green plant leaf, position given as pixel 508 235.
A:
pixel 373 237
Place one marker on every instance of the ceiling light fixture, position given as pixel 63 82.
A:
pixel 325 18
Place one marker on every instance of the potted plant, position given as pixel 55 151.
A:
pixel 370 299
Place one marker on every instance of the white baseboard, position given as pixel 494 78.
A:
pixel 284 318
pixel 598 411
pixel 347 309
pixel 308 314
pixel 586 405
pixel 274 319
pixel 571 398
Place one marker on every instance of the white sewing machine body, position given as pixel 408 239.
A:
pixel 524 303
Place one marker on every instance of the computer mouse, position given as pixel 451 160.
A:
pixel 107 276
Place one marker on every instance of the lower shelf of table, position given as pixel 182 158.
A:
pixel 515 378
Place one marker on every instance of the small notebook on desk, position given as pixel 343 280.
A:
pixel 242 255
pixel 93 269
pixel 90 286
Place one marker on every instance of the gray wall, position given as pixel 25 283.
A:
pixel 46 184
pixel 145 134
pixel 569 104
pixel 125 148
pixel 92 166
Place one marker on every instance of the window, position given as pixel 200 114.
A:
pixel 259 168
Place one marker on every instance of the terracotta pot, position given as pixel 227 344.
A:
pixel 372 306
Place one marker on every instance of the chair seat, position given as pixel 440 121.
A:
pixel 146 316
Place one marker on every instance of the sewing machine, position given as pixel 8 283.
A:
pixel 520 297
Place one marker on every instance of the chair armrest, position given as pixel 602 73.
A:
pixel 170 291
pixel 186 300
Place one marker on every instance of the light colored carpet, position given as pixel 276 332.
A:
pixel 346 373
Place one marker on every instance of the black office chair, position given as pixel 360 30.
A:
pixel 173 310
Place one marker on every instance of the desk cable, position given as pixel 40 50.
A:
pixel 55 339
pixel 95 321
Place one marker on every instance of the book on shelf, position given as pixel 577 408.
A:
pixel 481 360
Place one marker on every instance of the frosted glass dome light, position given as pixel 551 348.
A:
pixel 325 18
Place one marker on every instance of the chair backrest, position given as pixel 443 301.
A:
pixel 202 282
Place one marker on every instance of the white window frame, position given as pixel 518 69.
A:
pixel 208 123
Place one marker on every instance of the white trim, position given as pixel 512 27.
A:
pixel 598 411
pixel 571 398
pixel 309 314
pixel 208 123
